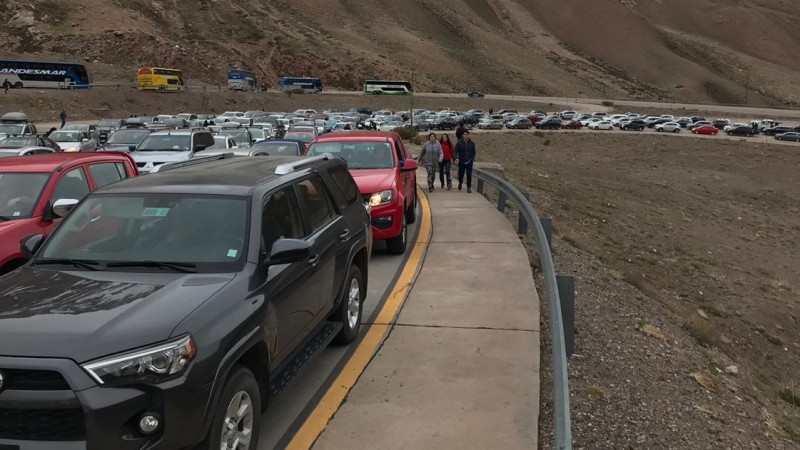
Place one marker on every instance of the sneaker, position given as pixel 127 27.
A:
pixel 469 190
pixel 430 189
pixel 459 187
pixel 449 187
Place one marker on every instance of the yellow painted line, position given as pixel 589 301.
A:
pixel 318 420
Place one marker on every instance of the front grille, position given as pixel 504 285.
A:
pixel 33 380
pixel 42 424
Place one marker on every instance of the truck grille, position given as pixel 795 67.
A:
pixel 33 380
pixel 42 424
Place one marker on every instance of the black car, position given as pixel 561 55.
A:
pixel 549 123
pixel 281 147
pixel 475 94
pixel 742 131
pixel 634 125
pixel 163 308
pixel 445 123
pixel 720 124
pixel 106 127
pixel 788 136
pixel 777 130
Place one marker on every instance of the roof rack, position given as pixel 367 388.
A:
pixel 192 162
pixel 288 168
pixel 14 117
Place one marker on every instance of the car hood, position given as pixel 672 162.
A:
pixel 373 180
pixel 168 156
pixel 11 225
pixel 87 315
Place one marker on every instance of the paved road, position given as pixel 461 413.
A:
pixel 290 405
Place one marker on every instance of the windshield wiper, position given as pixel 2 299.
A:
pixel 4 218
pixel 84 263
pixel 176 266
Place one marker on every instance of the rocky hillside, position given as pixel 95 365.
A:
pixel 695 50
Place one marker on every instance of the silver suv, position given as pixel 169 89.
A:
pixel 170 146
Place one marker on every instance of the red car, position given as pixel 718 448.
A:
pixel 386 176
pixel 705 129
pixel 572 125
pixel 34 189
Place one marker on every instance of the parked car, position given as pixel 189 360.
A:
pixel 602 125
pixel 549 123
pixel 705 129
pixel 475 94
pixel 788 136
pixel 491 124
pixel 572 125
pixel 632 125
pixel 699 123
pixel 125 140
pixel 720 124
pixel 29 141
pixel 281 147
pixel 107 127
pixel 777 130
pixel 743 130
pixel 34 188
pixel 519 123
pixel 138 329
pixel 221 142
pixel 170 146
pixel 83 127
pixel 24 151
pixel 16 124
pixel 74 141
pixel 673 127
pixel 386 176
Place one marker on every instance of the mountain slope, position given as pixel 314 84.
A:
pixel 682 49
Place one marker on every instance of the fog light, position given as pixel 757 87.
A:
pixel 149 423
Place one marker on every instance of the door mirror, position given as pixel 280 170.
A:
pixel 63 206
pixel 287 251
pixel 30 245
pixel 199 147
pixel 131 148
pixel 409 165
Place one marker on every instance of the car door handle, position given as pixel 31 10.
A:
pixel 313 260
pixel 345 236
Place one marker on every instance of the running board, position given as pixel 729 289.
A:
pixel 313 346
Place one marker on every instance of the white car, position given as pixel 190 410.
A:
pixel 74 141
pixel 669 126
pixel 601 125
pixel 586 122
pixel 223 142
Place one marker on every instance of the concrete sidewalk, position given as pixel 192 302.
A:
pixel 460 368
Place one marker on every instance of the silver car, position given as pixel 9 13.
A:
pixel 74 141
pixel 25 151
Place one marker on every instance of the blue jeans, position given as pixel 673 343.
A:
pixel 444 171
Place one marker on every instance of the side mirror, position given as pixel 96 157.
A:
pixel 30 245
pixel 63 206
pixel 287 251
pixel 409 166
pixel 131 148
pixel 199 147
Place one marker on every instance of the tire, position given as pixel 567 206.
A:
pixel 18 85
pixel 240 386
pixel 350 307
pixel 411 211
pixel 675 130
pixel 397 245
pixel 659 130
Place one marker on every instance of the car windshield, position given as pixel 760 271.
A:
pixel 66 136
pixel 109 123
pixel 76 127
pixel 241 137
pixel 165 142
pixel 207 231
pixel 358 155
pixel 128 137
pixel 17 142
pixel 19 193
pixel 279 148
pixel 11 129
pixel 257 133
pixel 305 137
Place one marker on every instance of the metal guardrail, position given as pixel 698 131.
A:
pixel 561 347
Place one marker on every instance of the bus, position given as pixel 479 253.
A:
pixel 391 87
pixel 43 74
pixel 304 83
pixel 160 79
pixel 242 80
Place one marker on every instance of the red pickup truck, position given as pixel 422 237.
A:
pixel 32 187
pixel 385 174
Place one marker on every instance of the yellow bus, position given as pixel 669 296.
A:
pixel 159 79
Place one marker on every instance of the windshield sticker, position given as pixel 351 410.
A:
pixel 16 214
pixel 232 253
pixel 155 212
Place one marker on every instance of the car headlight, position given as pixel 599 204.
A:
pixel 152 365
pixel 71 149
pixel 380 198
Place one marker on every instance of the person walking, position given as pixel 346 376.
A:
pixel 430 157
pixel 465 157
pixel 6 85
pixel 460 131
pixel 446 164
pixel 63 117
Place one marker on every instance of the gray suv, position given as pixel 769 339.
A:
pixel 166 311
pixel 170 146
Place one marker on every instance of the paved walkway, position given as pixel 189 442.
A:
pixel 460 368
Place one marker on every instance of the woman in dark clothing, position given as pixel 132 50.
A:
pixel 447 161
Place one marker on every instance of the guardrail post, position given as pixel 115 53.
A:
pixel 547 224
pixel 522 225
pixel 501 201
pixel 480 186
pixel 566 294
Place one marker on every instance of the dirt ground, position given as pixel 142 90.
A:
pixel 684 253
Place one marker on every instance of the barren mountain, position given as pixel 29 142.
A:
pixel 696 50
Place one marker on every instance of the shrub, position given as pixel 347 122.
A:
pixel 546 142
pixel 417 140
pixel 790 396
pixel 607 103
pixel 539 134
pixel 406 133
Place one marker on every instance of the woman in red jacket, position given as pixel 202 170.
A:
pixel 447 161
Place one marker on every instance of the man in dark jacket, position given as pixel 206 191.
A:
pixel 460 131
pixel 465 157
